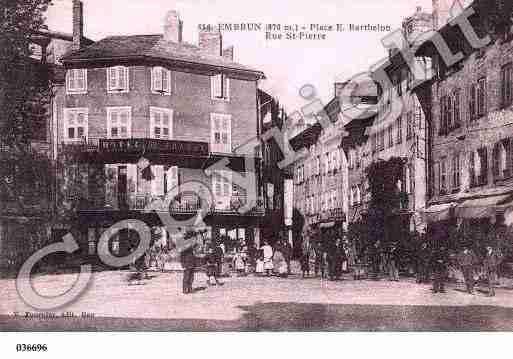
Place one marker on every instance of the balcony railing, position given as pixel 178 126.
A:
pixel 184 204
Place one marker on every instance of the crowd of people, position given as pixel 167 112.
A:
pixel 329 259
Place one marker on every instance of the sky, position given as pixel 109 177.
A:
pixel 288 64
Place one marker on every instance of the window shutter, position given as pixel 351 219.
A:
pixel 216 83
pixel 71 79
pixel 157 79
pixel 132 178
pixel 157 184
pixel 122 77
pixel 172 178
pixel 111 180
pixel 112 78
pixel 166 81
pixel 496 160
pixel 80 79
pixel 226 89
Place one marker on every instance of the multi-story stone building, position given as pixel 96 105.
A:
pixel 146 115
pixel 396 130
pixel 319 176
pixel 471 134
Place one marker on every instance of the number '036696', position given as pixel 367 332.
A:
pixel 31 347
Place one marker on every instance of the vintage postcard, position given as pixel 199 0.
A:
pixel 235 166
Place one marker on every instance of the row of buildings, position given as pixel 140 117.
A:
pixel 450 125
pixel 152 128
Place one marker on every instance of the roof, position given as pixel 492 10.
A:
pixel 152 47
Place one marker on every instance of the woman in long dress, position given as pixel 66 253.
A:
pixel 268 258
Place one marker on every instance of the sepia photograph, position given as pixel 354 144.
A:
pixel 234 166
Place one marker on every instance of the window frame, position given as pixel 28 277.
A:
pixel 118 109
pixel 164 91
pixel 66 126
pixel 507 85
pixel 222 116
pixel 76 91
pixel 161 110
pixel 126 74
pixel 481 97
pixel 225 88
pixel 456 171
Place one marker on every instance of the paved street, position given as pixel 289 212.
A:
pixel 253 304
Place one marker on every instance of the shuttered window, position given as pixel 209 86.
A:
pixel 117 79
pixel 119 122
pixel 221 133
pixel 161 123
pixel 76 81
pixel 220 87
pixel 161 80
pixel 507 85
pixel 76 124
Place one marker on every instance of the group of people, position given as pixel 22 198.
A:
pixel 274 260
pixel 471 265
pixel 327 259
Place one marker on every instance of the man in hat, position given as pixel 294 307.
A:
pixel 467 260
pixel 491 263
pixel 439 263
pixel 188 261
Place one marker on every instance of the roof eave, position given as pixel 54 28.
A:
pixel 259 75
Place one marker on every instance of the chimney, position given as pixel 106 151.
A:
pixel 78 24
pixel 211 42
pixel 173 27
pixel 441 10
pixel 228 53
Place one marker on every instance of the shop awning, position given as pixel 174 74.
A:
pixel 481 207
pixel 327 225
pixel 438 212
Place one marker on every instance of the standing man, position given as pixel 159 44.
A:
pixel 467 259
pixel 188 261
pixel 422 261
pixel 491 263
pixel 439 263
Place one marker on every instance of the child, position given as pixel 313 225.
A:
pixel 260 264
pixel 211 268
pixel 239 264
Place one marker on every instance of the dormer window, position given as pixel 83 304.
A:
pixel 117 79
pixel 160 80
pixel 220 87
pixel 76 81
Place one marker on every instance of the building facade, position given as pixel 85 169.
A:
pixel 471 167
pixel 319 176
pixel 397 129
pixel 159 129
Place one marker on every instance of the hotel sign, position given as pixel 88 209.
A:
pixel 148 145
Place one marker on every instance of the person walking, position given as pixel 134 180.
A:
pixel 305 263
pixel 188 261
pixel 439 263
pixel 466 260
pixel 212 267
pixel 491 263
pixel 422 263
pixel 393 263
pixel 219 256
pixel 280 264
pixel 268 258
pixel 239 264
